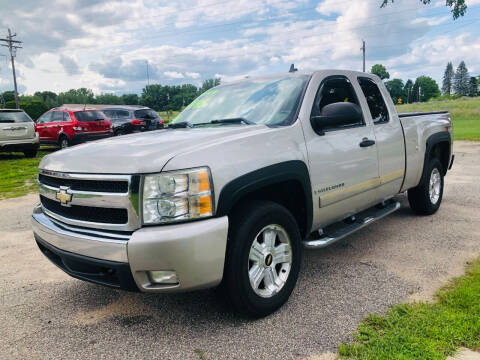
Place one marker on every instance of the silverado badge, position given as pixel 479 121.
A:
pixel 63 196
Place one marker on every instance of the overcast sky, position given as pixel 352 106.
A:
pixel 105 45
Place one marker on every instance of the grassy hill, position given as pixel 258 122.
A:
pixel 465 114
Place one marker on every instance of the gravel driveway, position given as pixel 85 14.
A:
pixel 46 314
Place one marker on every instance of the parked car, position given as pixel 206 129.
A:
pixel 247 175
pixel 129 119
pixel 17 132
pixel 65 127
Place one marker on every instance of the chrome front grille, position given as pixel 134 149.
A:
pixel 106 202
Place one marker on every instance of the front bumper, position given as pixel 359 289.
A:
pixel 194 250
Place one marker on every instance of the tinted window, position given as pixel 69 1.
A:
pixel 146 114
pixel 57 116
pixel 89 115
pixel 66 116
pixel 376 104
pixel 109 113
pixel 14 117
pixel 45 118
pixel 335 90
pixel 122 113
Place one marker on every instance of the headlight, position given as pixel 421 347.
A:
pixel 179 195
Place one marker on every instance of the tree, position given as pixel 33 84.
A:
pixel 461 80
pixel 426 87
pixel 34 108
pixel 396 89
pixel 447 79
pixel 407 90
pixel 459 7
pixel 8 96
pixel 208 84
pixel 130 99
pixel 473 87
pixel 108 99
pixel 380 71
pixel 76 96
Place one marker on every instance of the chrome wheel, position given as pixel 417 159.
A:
pixel 269 261
pixel 435 186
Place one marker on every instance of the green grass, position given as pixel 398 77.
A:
pixel 18 174
pixel 465 114
pixel 423 330
pixel 168 115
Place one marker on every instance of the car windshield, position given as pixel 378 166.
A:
pixel 271 101
pixel 89 115
pixel 146 114
pixel 14 117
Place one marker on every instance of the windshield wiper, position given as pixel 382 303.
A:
pixel 228 121
pixel 180 125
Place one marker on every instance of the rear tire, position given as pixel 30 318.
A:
pixel 263 258
pixel 63 142
pixel 30 153
pixel 425 199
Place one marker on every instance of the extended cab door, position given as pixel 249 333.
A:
pixel 388 134
pixel 344 173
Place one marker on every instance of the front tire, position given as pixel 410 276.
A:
pixel 263 258
pixel 425 199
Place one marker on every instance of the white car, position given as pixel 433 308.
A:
pixel 17 133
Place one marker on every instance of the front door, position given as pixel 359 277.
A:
pixel 343 172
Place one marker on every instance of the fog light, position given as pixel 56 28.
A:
pixel 163 277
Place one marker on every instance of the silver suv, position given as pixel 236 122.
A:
pixel 17 132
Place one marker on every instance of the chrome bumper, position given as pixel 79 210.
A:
pixel 195 250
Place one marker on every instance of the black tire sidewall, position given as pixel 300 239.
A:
pixel 243 232
pixel 63 138
pixel 419 197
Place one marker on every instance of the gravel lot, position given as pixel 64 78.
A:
pixel 46 314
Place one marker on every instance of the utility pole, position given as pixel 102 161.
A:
pixel 148 76
pixel 363 50
pixel 10 43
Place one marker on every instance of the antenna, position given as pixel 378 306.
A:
pixel 292 69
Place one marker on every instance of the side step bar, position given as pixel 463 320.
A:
pixel 341 229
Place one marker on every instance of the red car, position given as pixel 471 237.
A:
pixel 66 127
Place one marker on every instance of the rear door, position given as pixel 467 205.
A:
pixel 344 175
pixel 43 128
pixel 388 134
pixel 56 124
pixel 16 125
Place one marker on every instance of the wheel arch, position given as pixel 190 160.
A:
pixel 286 183
pixel 438 145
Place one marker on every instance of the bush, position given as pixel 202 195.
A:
pixel 34 108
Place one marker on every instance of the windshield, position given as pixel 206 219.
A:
pixel 260 101
pixel 14 117
pixel 89 115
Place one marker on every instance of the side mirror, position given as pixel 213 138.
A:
pixel 337 115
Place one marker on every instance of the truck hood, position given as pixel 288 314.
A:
pixel 142 152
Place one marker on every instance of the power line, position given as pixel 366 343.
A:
pixel 12 47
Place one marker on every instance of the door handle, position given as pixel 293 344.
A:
pixel 367 142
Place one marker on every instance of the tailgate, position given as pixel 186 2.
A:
pixel 16 131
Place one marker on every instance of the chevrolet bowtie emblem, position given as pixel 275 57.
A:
pixel 63 196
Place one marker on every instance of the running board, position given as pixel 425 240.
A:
pixel 339 230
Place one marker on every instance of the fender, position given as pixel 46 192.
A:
pixel 442 136
pixel 236 189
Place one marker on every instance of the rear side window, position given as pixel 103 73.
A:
pixel 66 116
pixel 109 113
pixel 89 115
pixel 14 117
pixel 57 116
pixel 375 101
pixel 122 113
pixel 146 114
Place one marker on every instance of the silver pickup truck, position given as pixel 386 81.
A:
pixel 245 177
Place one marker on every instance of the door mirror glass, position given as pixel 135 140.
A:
pixel 336 116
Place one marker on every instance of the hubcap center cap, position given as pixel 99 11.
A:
pixel 268 260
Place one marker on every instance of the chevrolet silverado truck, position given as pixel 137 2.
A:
pixel 248 175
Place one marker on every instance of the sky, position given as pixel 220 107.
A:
pixel 108 45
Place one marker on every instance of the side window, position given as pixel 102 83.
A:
pixel 375 101
pixel 57 116
pixel 66 116
pixel 122 114
pixel 336 89
pixel 110 113
pixel 45 118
